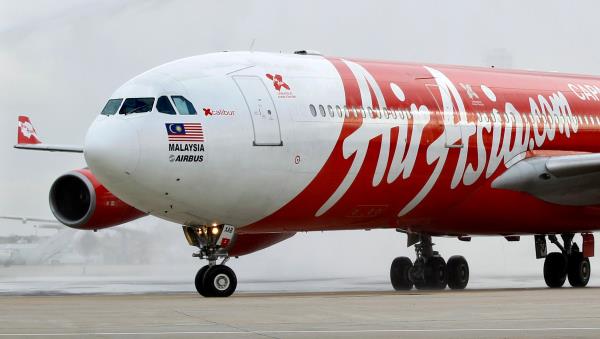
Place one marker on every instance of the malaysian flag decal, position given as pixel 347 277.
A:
pixel 185 132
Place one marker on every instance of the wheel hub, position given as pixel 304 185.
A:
pixel 221 282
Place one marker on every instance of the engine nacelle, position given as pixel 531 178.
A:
pixel 79 201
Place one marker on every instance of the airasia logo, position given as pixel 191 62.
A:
pixel 510 137
pixel 282 88
pixel 27 129
pixel 278 82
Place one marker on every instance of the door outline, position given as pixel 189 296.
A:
pixel 250 110
pixel 448 126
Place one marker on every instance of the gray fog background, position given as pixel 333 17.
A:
pixel 60 60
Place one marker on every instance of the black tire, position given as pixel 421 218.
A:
pixel 578 270
pixel 399 274
pixel 219 281
pixel 555 269
pixel 418 274
pixel 458 272
pixel 199 281
pixel 436 274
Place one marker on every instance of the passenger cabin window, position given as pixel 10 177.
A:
pixel 322 110
pixel 137 105
pixel 184 106
pixel 313 110
pixel 330 109
pixel 163 105
pixel 112 106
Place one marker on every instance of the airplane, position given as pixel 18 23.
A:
pixel 244 149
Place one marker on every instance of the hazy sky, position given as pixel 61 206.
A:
pixel 61 60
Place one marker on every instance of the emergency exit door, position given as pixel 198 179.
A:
pixel 265 121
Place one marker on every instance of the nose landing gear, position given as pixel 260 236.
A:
pixel 212 280
pixel 430 270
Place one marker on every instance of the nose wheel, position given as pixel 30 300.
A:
pixel 215 281
pixel 429 270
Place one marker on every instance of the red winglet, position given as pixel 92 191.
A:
pixel 26 133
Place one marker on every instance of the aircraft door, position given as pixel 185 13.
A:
pixel 452 125
pixel 265 121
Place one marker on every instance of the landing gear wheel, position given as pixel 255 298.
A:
pixel 199 281
pixel 399 274
pixel 417 274
pixel 578 269
pixel 219 281
pixel 458 272
pixel 435 273
pixel 555 269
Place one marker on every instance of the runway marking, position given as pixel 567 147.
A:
pixel 73 334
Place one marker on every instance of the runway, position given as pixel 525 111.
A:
pixel 537 313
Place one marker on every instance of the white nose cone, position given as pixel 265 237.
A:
pixel 112 148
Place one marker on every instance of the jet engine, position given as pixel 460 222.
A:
pixel 79 201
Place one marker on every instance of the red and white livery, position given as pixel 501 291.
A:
pixel 244 149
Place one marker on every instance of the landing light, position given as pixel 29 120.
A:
pixel 215 231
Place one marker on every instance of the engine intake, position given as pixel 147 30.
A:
pixel 79 201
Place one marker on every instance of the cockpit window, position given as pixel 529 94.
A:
pixel 137 105
pixel 163 105
pixel 184 106
pixel 111 106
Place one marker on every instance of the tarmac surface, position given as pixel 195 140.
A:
pixel 482 313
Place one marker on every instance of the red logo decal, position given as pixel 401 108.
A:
pixel 278 82
pixel 207 111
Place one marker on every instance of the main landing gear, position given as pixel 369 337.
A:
pixel 212 280
pixel 570 263
pixel 430 270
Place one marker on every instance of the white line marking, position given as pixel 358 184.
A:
pixel 547 329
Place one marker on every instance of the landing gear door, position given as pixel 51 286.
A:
pixel 265 121
pixel 451 120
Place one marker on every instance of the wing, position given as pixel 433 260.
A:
pixel 27 219
pixel 40 222
pixel 561 179
pixel 27 139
